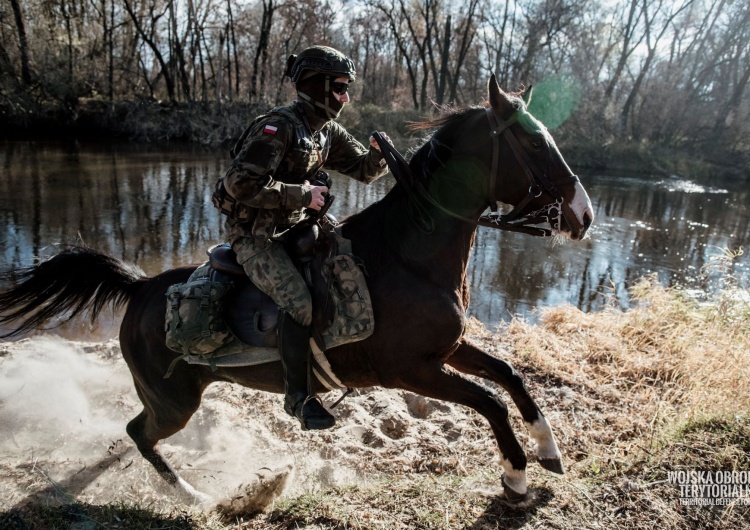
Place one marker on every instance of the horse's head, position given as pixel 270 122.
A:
pixel 528 171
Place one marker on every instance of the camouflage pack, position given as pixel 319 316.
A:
pixel 353 317
pixel 194 324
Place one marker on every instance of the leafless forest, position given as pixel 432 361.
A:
pixel 647 74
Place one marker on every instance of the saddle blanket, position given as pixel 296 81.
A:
pixel 236 354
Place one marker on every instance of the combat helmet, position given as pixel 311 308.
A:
pixel 320 59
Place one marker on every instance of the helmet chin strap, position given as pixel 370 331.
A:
pixel 330 113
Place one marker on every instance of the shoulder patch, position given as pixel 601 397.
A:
pixel 270 129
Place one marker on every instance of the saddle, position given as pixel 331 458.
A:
pixel 250 314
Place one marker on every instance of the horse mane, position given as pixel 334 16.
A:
pixel 436 149
pixel 446 115
pixel 443 125
pixel 424 161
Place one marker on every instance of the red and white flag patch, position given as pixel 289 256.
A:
pixel 270 129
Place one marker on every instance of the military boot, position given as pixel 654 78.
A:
pixel 294 347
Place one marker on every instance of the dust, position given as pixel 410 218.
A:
pixel 52 395
pixel 64 406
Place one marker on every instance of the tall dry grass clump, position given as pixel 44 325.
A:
pixel 685 355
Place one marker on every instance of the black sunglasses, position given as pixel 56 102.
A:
pixel 340 88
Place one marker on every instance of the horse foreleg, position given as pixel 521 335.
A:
pixel 445 384
pixel 471 360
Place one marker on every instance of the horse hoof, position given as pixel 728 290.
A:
pixel 552 464
pixel 511 495
pixel 201 499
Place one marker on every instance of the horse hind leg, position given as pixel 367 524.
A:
pixel 148 428
pixel 471 360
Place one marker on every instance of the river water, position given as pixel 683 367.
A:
pixel 152 206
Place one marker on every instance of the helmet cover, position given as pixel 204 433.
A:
pixel 321 59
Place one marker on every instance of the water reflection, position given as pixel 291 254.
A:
pixel 147 207
pixel 153 207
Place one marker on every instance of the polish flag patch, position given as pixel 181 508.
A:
pixel 270 129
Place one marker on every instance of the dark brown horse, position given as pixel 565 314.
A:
pixel 415 244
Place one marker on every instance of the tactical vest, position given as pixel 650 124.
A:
pixel 301 162
pixel 297 165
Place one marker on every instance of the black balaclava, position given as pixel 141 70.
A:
pixel 317 99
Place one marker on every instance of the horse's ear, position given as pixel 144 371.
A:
pixel 526 95
pixel 499 100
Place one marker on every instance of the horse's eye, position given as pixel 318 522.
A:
pixel 537 143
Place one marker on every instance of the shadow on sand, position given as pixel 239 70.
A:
pixel 55 506
pixel 500 515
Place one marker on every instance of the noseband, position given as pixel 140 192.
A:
pixel 516 220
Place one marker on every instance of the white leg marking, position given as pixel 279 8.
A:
pixel 192 495
pixel 514 478
pixel 541 431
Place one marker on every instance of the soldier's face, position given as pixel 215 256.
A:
pixel 341 98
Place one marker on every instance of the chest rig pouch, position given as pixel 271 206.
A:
pixel 302 161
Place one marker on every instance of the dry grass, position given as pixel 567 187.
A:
pixel 677 357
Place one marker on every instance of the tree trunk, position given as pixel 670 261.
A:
pixel 22 42
pixel 467 35
pixel 234 49
pixel 444 62
pixel 168 80
pixel 220 71
pixel 177 47
pixel 69 34
pixel 109 36
pixel 261 55
pixel 627 50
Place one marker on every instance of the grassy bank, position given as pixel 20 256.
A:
pixel 145 120
pixel 632 396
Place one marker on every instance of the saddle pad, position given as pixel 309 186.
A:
pixel 235 354
pixel 349 296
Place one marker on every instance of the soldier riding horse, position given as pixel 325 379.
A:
pixel 415 245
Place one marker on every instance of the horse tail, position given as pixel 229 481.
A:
pixel 75 280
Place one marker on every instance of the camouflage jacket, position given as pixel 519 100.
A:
pixel 273 158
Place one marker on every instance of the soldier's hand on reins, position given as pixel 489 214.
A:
pixel 374 143
pixel 318 196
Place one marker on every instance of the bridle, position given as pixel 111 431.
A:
pixel 539 183
pixel 515 220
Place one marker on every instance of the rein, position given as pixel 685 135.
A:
pixel 515 221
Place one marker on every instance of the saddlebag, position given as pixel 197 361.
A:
pixel 194 323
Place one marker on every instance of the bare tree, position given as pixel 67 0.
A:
pixel 149 36
pixel 177 46
pixel 651 11
pixel 258 79
pixel 467 31
pixel 233 40
pixel 23 45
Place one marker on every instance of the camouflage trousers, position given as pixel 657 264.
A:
pixel 274 273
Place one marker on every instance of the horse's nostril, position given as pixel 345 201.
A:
pixel 588 218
